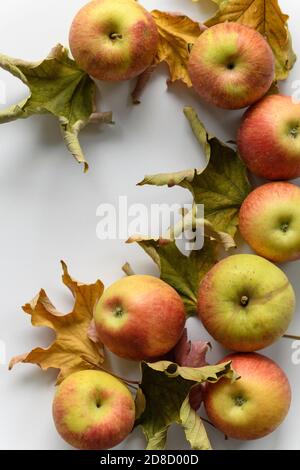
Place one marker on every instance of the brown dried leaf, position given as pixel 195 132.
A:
pixel 177 33
pixel 72 343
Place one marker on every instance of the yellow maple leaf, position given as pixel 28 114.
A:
pixel 73 349
pixel 176 35
pixel 266 17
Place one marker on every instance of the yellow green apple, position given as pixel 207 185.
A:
pixel 253 406
pixel 231 65
pixel 113 39
pixel 269 138
pixel 140 317
pixel 269 221
pixel 245 302
pixel 93 410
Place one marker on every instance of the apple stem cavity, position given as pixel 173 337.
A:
pixel 239 401
pixel 118 312
pixel 284 227
pixel 294 132
pixel 244 300
pixel 230 65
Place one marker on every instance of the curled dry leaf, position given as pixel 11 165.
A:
pixel 58 87
pixel 189 353
pixel 165 388
pixel 141 83
pixel 221 187
pixel 190 222
pixel 72 344
pixel 177 33
pixel 267 18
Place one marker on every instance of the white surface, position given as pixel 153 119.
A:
pixel 48 212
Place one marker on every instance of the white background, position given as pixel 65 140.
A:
pixel 48 212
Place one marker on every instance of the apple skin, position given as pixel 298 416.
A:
pixel 122 57
pixel 92 410
pixel 231 65
pixel 269 138
pixel 253 406
pixel 140 318
pixel 246 303
pixel 269 221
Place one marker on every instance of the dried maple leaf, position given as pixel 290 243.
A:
pixel 177 33
pixel 58 87
pixel 266 17
pixel 72 350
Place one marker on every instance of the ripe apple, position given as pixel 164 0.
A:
pixel 253 406
pixel 113 39
pixel 245 302
pixel 140 318
pixel 231 65
pixel 92 410
pixel 270 221
pixel 269 138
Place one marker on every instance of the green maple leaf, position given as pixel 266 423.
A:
pixel 162 400
pixel 221 187
pixel 58 87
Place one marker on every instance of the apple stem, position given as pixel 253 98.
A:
pixel 115 36
pixel 294 132
pixel 244 300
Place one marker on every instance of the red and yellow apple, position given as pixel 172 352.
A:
pixel 140 317
pixel 253 406
pixel 245 302
pixel 113 39
pixel 269 221
pixel 92 410
pixel 231 65
pixel 269 138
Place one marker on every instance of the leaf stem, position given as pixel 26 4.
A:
pixel 98 367
pixel 211 424
pixel 127 269
pixel 292 337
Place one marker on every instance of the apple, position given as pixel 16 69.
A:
pixel 231 65
pixel 253 406
pixel 113 39
pixel 269 221
pixel 140 318
pixel 245 302
pixel 92 410
pixel 269 138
